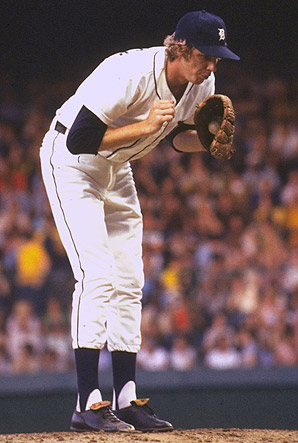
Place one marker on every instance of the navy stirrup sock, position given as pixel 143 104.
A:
pixel 87 373
pixel 124 370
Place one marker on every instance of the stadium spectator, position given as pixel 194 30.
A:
pixel 223 355
pixel 152 356
pixel 183 356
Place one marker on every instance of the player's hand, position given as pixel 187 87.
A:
pixel 161 111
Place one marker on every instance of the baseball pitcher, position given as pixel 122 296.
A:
pixel 123 109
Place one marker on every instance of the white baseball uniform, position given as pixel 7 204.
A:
pixel 94 199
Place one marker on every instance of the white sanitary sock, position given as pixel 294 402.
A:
pixel 94 397
pixel 127 394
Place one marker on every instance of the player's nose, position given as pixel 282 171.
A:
pixel 212 64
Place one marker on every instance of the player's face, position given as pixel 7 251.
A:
pixel 198 67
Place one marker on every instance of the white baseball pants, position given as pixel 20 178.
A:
pixel 98 217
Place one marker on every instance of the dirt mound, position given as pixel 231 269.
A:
pixel 177 436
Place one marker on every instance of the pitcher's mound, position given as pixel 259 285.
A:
pixel 177 436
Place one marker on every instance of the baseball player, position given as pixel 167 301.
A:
pixel 128 104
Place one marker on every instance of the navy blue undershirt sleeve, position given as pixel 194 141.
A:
pixel 86 133
pixel 179 128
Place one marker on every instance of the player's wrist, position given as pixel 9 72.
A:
pixel 146 129
pixel 187 141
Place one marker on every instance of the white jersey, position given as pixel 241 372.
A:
pixel 121 91
pixel 94 198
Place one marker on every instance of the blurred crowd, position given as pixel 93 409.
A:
pixel 220 239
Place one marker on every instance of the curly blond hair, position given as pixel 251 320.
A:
pixel 175 48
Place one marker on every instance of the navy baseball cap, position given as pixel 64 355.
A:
pixel 206 32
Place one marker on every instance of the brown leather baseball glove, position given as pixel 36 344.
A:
pixel 214 121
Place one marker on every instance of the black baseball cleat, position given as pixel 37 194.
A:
pixel 99 417
pixel 142 417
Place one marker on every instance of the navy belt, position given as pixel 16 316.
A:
pixel 60 128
